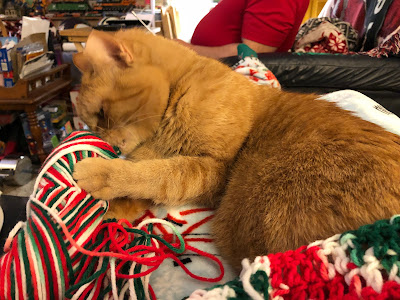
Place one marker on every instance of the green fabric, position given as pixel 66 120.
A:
pixel 245 51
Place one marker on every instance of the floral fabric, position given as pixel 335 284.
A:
pixel 325 35
pixel 253 69
pixel 389 47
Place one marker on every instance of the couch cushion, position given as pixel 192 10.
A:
pixel 378 78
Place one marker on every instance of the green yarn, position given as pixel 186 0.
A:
pixel 260 283
pixel 382 236
pixel 117 150
pixel 140 238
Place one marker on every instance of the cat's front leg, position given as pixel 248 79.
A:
pixel 171 181
pixel 103 178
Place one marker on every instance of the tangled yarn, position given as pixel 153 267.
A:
pixel 66 251
pixel 360 264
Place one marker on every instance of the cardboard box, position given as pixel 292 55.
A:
pixel 8 79
pixel 79 124
pixel 9 82
pixel 5 60
pixel 73 95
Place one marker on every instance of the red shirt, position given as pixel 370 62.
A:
pixel 269 22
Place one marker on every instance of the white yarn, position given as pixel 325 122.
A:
pixel 371 270
pixel 393 218
pixel 338 251
pixel 248 270
pixel 220 293
pixel 20 225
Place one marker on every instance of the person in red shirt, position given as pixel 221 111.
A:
pixel 263 25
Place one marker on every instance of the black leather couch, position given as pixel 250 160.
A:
pixel 378 78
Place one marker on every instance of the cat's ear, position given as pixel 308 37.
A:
pixel 82 62
pixel 104 48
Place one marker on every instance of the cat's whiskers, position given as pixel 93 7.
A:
pixel 136 121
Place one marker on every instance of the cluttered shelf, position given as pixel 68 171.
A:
pixel 29 93
pixel 31 76
pixel 35 84
pixel 34 88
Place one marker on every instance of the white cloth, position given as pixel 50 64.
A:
pixel 365 108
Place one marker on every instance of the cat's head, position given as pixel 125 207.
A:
pixel 125 89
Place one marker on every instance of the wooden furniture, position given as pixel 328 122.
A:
pixel 170 22
pixel 32 91
pixel 77 36
pixel 92 21
pixel 80 35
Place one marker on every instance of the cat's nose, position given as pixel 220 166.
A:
pixel 123 143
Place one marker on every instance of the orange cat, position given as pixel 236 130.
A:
pixel 282 169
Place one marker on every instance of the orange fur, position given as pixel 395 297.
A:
pixel 282 169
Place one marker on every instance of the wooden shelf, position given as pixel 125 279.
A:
pixel 31 86
pixel 31 92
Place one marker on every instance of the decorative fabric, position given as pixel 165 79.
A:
pixel 389 47
pixel 256 71
pixel 66 251
pixel 375 15
pixel 325 35
pixel 14 28
pixel 355 12
pixel 253 69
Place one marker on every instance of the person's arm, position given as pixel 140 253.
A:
pixel 259 48
pixel 227 50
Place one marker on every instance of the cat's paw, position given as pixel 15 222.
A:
pixel 100 177
pixel 125 208
pixel 110 214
